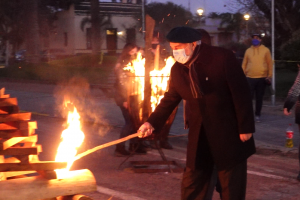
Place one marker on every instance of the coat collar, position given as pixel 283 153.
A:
pixel 205 54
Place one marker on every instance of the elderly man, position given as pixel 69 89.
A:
pixel 221 118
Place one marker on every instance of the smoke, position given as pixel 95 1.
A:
pixel 77 92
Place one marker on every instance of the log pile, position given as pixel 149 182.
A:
pixel 19 156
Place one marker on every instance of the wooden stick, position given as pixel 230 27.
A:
pixel 106 145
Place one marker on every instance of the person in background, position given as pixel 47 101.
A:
pixel 128 54
pixel 257 66
pixel 293 98
pixel 238 55
pixel 221 119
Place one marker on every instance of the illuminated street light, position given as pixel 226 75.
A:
pixel 246 17
pixel 200 11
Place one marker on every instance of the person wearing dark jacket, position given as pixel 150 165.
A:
pixel 293 98
pixel 221 122
pixel 128 54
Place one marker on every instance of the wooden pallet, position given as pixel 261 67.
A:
pixel 18 142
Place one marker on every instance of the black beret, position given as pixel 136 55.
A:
pixel 183 34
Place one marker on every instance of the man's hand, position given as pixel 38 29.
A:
pixel 245 136
pixel 286 112
pixel 125 104
pixel 146 129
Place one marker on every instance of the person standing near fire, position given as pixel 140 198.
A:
pixel 221 119
pixel 293 98
pixel 258 68
pixel 128 54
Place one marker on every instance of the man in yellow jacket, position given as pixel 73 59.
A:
pixel 257 66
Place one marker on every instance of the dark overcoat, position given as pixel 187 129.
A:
pixel 219 116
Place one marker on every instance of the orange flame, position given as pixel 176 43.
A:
pixel 72 138
pixel 159 78
pixel 159 82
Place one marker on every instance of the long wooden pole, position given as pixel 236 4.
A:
pixel 106 145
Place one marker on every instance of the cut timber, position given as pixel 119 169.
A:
pixel 35 188
pixel 13 151
pixel 2 175
pixel 21 125
pixel 9 109
pixel 75 197
pixel 43 165
pixel 15 117
pixel 16 133
pixel 6 143
pixel 8 102
pixel 2 93
pixel 17 173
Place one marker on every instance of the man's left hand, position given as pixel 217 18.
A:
pixel 245 136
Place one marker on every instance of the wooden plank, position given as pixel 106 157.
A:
pixel 8 126
pixel 14 151
pixel 22 125
pixel 30 139
pixel 27 125
pixel 6 143
pixel 16 133
pixel 8 102
pixel 2 93
pixel 17 173
pixel 34 188
pixel 2 175
pixel 15 117
pixel 9 109
pixel 35 166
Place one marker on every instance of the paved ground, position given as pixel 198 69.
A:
pixel 44 101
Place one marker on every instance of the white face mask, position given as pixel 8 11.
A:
pixel 180 56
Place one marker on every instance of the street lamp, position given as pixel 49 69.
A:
pixel 246 17
pixel 200 11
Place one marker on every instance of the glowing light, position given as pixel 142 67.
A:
pixel 200 11
pixel 246 17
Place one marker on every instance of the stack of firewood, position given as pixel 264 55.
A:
pixel 19 157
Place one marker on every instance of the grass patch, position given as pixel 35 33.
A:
pixel 62 70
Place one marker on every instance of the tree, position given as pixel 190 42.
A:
pixel 232 22
pixel 287 15
pixel 169 15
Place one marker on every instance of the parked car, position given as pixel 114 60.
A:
pixel 20 55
